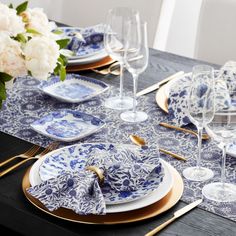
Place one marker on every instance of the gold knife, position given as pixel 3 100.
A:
pixel 159 84
pixel 177 214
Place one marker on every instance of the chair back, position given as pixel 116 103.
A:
pixel 216 33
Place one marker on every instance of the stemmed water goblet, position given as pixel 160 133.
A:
pixel 136 61
pixel 223 130
pixel 200 113
pixel 114 41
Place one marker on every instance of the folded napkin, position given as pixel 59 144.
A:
pixel 81 192
pixel 91 36
pixel 225 80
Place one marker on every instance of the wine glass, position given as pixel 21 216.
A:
pixel 136 61
pixel 114 42
pixel 201 112
pixel 223 130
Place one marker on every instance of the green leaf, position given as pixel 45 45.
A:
pixel 11 6
pixel 32 31
pixel 21 38
pixel 22 7
pixel 3 94
pixel 63 73
pixel 57 69
pixel 60 61
pixel 62 43
pixel 57 31
pixel 4 77
pixel 64 58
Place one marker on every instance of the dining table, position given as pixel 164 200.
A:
pixel 19 217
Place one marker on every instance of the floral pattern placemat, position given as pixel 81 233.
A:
pixel 25 103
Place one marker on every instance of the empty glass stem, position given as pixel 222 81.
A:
pixel 135 81
pixel 199 146
pixel 121 79
pixel 223 164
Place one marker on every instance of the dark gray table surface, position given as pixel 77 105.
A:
pixel 17 215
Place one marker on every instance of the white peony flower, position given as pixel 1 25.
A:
pixel 11 58
pixel 41 54
pixel 10 22
pixel 36 19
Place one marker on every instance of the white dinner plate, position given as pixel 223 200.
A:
pixel 86 60
pixel 155 196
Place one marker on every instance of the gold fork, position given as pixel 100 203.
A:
pixel 49 148
pixel 109 70
pixel 29 153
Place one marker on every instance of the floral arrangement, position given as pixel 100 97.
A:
pixel 28 46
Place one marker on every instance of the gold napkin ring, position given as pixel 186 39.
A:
pixel 98 172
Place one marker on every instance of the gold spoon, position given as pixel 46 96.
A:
pixel 141 142
pixel 204 136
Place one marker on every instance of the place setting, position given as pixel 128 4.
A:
pixel 112 197
pixel 85 49
pixel 205 98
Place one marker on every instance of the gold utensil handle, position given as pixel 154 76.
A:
pixel 160 227
pixel 173 154
pixel 177 128
pixel 101 72
pixel 15 166
pixel 8 160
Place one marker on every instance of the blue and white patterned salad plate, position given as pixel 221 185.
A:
pixel 89 44
pixel 86 60
pixel 75 88
pixel 75 157
pixel 67 125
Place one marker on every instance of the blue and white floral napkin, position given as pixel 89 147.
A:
pixel 81 192
pixel 88 36
pixel 178 95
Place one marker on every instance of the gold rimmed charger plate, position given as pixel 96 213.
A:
pixel 114 218
pixel 104 62
pixel 162 99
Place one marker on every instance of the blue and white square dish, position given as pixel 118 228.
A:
pixel 67 125
pixel 74 89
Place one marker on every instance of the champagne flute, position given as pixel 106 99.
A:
pixel 136 60
pixel 114 42
pixel 223 130
pixel 201 112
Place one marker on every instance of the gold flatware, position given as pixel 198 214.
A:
pixel 159 84
pixel 177 214
pixel 204 136
pixel 141 142
pixel 112 69
pixel 50 147
pixel 29 153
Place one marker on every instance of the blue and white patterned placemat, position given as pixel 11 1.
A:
pixel 25 104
